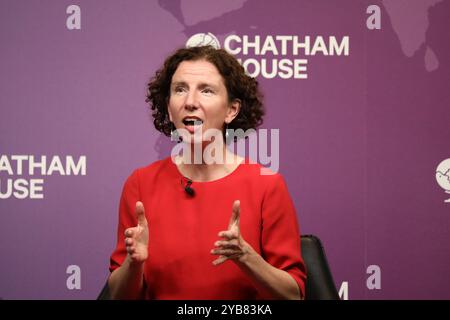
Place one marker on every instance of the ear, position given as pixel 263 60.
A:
pixel 168 110
pixel 233 110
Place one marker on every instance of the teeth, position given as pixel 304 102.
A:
pixel 192 121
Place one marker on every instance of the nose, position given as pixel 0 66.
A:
pixel 191 102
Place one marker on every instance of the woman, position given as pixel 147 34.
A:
pixel 192 229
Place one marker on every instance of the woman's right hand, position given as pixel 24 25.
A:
pixel 136 238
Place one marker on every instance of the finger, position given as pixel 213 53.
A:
pixel 129 233
pixel 229 234
pixel 140 213
pixel 235 214
pixel 129 241
pixel 230 244
pixel 220 260
pixel 225 252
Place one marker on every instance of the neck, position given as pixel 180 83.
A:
pixel 204 169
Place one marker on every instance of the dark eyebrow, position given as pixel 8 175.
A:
pixel 204 85
pixel 178 83
pixel 201 85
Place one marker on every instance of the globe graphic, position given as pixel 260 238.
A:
pixel 203 39
pixel 443 176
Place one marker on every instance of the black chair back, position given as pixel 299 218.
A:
pixel 319 282
pixel 104 294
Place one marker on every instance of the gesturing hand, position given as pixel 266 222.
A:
pixel 233 245
pixel 136 238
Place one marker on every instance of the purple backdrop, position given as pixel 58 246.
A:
pixel 361 137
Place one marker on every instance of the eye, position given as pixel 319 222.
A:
pixel 179 89
pixel 208 91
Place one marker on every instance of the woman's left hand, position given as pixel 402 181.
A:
pixel 232 246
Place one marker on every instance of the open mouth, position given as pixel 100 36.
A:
pixel 192 121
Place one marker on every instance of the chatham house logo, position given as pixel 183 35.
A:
pixel 280 56
pixel 203 39
pixel 443 176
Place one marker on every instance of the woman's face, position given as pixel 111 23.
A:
pixel 199 99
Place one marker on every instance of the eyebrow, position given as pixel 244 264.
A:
pixel 201 85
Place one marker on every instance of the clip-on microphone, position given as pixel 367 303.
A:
pixel 190 191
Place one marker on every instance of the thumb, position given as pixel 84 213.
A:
pixel 236 214
pixel 140 213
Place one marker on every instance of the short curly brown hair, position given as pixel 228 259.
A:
pixel 239 86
